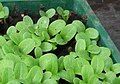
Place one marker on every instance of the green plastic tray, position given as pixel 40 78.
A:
pixel 79 6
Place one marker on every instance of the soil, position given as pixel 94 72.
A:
pixel 109 14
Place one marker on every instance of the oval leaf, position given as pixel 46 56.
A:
pixel 27 45
pixel 50 13
pixel 67 36
pixel 21 71
pixel 92 33
pixel 98 64
pixel 35 75
pixel 45 46
pixel 43 22
pixel 79 25
pixel 80 45
pixel 87 71
pixel 56 26
pixel 49 62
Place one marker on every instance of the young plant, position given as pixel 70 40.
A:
pixel 27 53
pixel 63 13
pixel 4 12
pixel 49 13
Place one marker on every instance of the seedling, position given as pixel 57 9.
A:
pixel 63 13
pixel 27 53
pixel 4 12
pixel 49 13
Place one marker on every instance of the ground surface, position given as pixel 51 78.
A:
pixel 109 14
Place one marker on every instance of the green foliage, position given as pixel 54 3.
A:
pixel 49 62
pixel 63 13
pixel 27 52
pixel 49 13
pixel 4 12
pixel 54 29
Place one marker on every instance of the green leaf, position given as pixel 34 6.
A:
pixel 66 14
pixel 55 77
pixel 7 75
pixel 116 68
pixel 16 50
pixel 45 46
pixel 94 42
pixel 1 54
pixel 98 64
pixel 78 64
pixel 107 83
pixel 82 35
pixel 87 71
pixel 14 82
pixel 108 64
pixel 29 61
pixel 46 35
pixel 54 47
pixel 59 10
pixel 68 75
pixel 52 40
pixel 80 45
pixel 56 26
pixel 76 81
pixel 28 21
pixel 37 40
pixel 93 49
pixel 21 71
pixel 79 25
pixel 84 54
pixel 35 75
pixel 6 64
pixel 2 40
pixel 67 36
pixel 39 33
pixel 42 13
pixel 11 30
pixel 59 40
pixel 43 22
pixel 1 6
pixel 92 33
pixel 69 60
pixel 31 29
pixel 27 45
pixel 16 38
pixel 7 48
pixel 6 11
pixel 73 54
pixel 46 75
pixel 60 63
pixel 116 81
pixel 20 26
pixel 50 81
pixel 38 52
pixel 6 37
pixel 27 35
pixel 50 13
pixel 93 80
pixel 11 56
pixel 110 76
pixel 49 62
pixel 105 52
pixel 101 76
pixel 2 14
